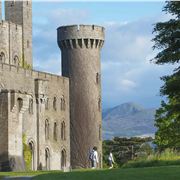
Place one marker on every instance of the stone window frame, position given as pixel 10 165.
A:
pixel 100 129
pixel 16 60
pixel 98 77
pixel 2 57
pixel 55 103
pixel 47 104
pixel 63 157
pixel 19 104
pixel 55 129
pixel 47 129
pixel 31 106
pixel 48 158
pixel 99 103
pixel 63 103
pixel 63 130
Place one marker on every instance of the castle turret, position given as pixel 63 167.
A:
pixel 20 12
pixel 80 47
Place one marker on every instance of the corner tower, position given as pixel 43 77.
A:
pixel 20 12
pixel 80 47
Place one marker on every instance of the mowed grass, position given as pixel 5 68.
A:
pixel 153 173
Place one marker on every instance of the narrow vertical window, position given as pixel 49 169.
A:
pixel 63 103
pixel 47 104
pixel 20 104
pixel 100 132
pixel 99 104
pixel 28 40
pixel 54 104
pixel 16 61
pixel 31 106
pixel 97 78
pixel 55 131
pixel 2 57
pixel 63 131
pixel 46 129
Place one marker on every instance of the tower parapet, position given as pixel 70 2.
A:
pixel 82 36
pixel 80 46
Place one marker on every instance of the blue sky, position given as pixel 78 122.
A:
pixel 127 74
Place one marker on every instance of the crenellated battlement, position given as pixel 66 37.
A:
pixel 80 36
pixel 31 73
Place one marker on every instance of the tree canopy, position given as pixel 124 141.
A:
pixel 167 41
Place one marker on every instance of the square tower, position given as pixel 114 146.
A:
pixel 20 12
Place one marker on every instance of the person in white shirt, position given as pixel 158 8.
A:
pixel 94 158
pixel 111 160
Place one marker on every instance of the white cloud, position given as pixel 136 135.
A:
pixel 127 74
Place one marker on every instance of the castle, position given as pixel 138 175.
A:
pixel 56 119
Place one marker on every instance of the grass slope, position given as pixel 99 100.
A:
pixel 155 173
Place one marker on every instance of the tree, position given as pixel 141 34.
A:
pixel 167 41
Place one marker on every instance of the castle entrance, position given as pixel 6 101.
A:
pixel 47 158
pixel 63 159
pixel 31 145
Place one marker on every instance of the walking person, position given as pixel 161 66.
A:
pixel 111 160
pixel 94 158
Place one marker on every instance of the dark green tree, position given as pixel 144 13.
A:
pixel 167 41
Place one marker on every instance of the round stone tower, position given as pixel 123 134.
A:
pixel 80 47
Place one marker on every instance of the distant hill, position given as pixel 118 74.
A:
pixel 128 119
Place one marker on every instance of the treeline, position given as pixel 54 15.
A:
pixel 125 149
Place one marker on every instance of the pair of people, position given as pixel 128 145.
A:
pixel 95 160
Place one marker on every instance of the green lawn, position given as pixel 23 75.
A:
pixel 154 173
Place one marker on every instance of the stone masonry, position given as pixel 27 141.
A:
pixel 58 117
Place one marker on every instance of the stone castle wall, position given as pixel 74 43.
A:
pixel 21 84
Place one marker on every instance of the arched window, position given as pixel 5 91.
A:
pixel 55 131
pixel 47 158
pixel 31 146
pixel 2 57
pixel 27 40
pixel 31 106
pixel 54 104
pixel 63 159
pixel 99 104
pixel 63 131
pixel 20 104
pixel 46 129
pixel 100 132
pixel 63 103
pixel 16 61
pixel 97 78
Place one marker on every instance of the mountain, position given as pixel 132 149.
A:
pixel 128 119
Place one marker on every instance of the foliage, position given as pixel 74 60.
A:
pixel 167 41
pixel 27 154
pixel 124 149
pixel 24 64
pixel 165 158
